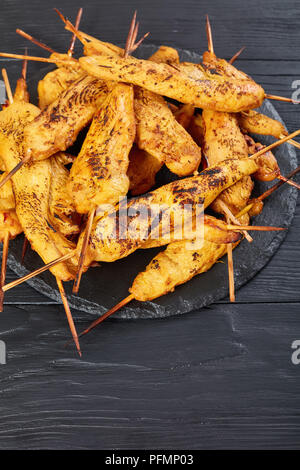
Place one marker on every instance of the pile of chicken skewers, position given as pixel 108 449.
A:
pixel 59 201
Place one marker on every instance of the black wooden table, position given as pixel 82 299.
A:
pixel 221 377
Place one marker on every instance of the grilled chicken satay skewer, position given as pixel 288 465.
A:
pixel 177 264
pixel 58 125
pixel 158 132
pixel 154 275
pixel 98 179
pixel 10 226
pixel 31 188
pixel 110 250
pixel 221 66
pixel 167 81
pixel 221 136
pixel 248 208
pixel 106 246
pixel 254 122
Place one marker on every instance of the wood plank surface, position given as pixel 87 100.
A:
pixel 218 378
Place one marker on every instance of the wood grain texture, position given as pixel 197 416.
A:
pixel 223 378
pixel 218 378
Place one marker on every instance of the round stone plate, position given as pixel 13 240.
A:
pixel 107 284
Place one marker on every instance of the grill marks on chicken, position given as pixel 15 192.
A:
pixel 98 175
pixel 55 83
pixel 162 136
pixel 57 126
pixel 31 185
pixel 208 92
pixel 223 139
pixel 177 264
pixel 114 236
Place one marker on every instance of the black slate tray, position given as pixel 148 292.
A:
pixel 104 286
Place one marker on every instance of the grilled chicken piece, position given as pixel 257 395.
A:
pixel 177 264
pixel 7 197
pixel 58 125
pixel 127 227
pixel 214 230
pixel 55 83
pixel 222 68
pixel 98 175
pixel 268 167
pixel 142 171
pixel 31 186
pixel 9 223
pixel 62 214
pixel 165 55
pixel 196 130
pixel 184 115
pixel 210 92
pixel 257 123
pixel 223 139
pixel 160 134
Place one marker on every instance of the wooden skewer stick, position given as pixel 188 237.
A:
pixel 77 22
pixel 24 67
pixel 233 219
pixel 34 58
pixel 292 142
pixel 7 86
pixel 14 170
pixel 286 180
pixel 35 41
pixel 131 45
pixel 108 314
pixel 267 193
pixel 236 55
pixel 70 27
pixel 230 273
pixel 69 315
pixel 24 249
pixel 209 36
pixel 38 271
pixel 3 267
pixel 83 250
pixel 259 228
pixel 281 98
pixel 275 144
pixel 130 35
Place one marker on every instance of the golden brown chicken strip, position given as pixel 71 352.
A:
pixel 209 92
pixel 57 126
pixel 177 264
pixel 98 175
pixel 55 82
pixel 214 230
pixel 142 171
pixel 257 123
pixel 222 138
pixel 126 228
pixel 7 197
pixel 31 185
pixel 160 134
pixel 9 223
pixel 62 212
